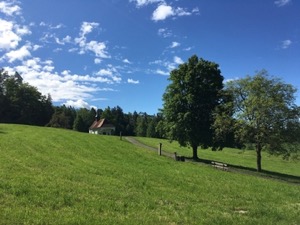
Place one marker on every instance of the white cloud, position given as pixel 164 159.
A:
pixel 22 30
pixel 104 72
pixel 9 9
pixel 109 75
pixel 164 32
pixel 162 12
pixel 174 44
pixel 161 72
pixel 87 27
pixel 281 3
pixel 286 44
pixel 97 61
pixel 188 49
pixel 65 40
pixel 80 103
pixel 182 12
pixel 178 60
pixel 43 24
pixel 98 48
pixel 131 81
pixel 52 27
pixel 58 26
pixel 9 39
pixel 140 3
pixel 127 61
pixel 18 54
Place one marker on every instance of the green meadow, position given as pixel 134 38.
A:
pixel 56 176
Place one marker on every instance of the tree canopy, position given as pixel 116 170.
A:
pixel 263 112
pixel 21 102
pixel 189 102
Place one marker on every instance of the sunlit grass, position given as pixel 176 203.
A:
pixel 246 158
pixel 54 176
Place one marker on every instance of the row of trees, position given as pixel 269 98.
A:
pixel 22 103
pixel 129 124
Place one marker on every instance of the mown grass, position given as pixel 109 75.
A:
pixel 53 176
pixel 245 158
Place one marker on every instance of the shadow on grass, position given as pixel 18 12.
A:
pixel 251 171
pixel 232 168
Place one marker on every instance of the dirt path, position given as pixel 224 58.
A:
pixel 136 142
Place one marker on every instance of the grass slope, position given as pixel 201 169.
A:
pixel 53 176
pixel 245 158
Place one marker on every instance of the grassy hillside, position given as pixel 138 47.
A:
pixel 53 176
pixel 246 158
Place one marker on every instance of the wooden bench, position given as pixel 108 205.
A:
pixel 221 166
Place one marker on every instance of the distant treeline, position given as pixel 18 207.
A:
pixel 22 103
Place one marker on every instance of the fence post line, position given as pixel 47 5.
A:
pixel 159 149
pixel 175 156
pixel 121 135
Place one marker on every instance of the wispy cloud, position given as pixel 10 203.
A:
pixel 9 8
pixel 174 44
pixel 178 60
pixel 98 48
pixel 161 72
pixel 163 11
pixel 126 61
pixel 164 32
pixel 140 3
pixel 131 81
pixel 281 3
pixel 286 44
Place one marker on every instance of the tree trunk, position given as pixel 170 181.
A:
pixel 195 152
pixel 258 157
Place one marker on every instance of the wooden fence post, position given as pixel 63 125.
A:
pixel 159 149
pixel 121 135
pixel 175 156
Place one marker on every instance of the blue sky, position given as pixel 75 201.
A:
pixel 99 53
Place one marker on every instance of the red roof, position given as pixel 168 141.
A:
pixel 101 123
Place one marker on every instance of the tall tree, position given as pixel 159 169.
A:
pixel 84 119
pixel 21 102
pixel 264 113
pixel 189 101
pixel 141 125
pixel 118 119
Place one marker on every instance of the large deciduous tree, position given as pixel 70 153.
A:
pixel 189 101
pixel 263 112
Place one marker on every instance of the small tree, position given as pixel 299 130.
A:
pixel 263 113
pixel 189 101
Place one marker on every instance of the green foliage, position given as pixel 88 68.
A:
pixel 263 113
pixel 84 119
pixel 63 117
pixel 22 103
pixel 141 125
pixel 63 177
pixel 189 101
